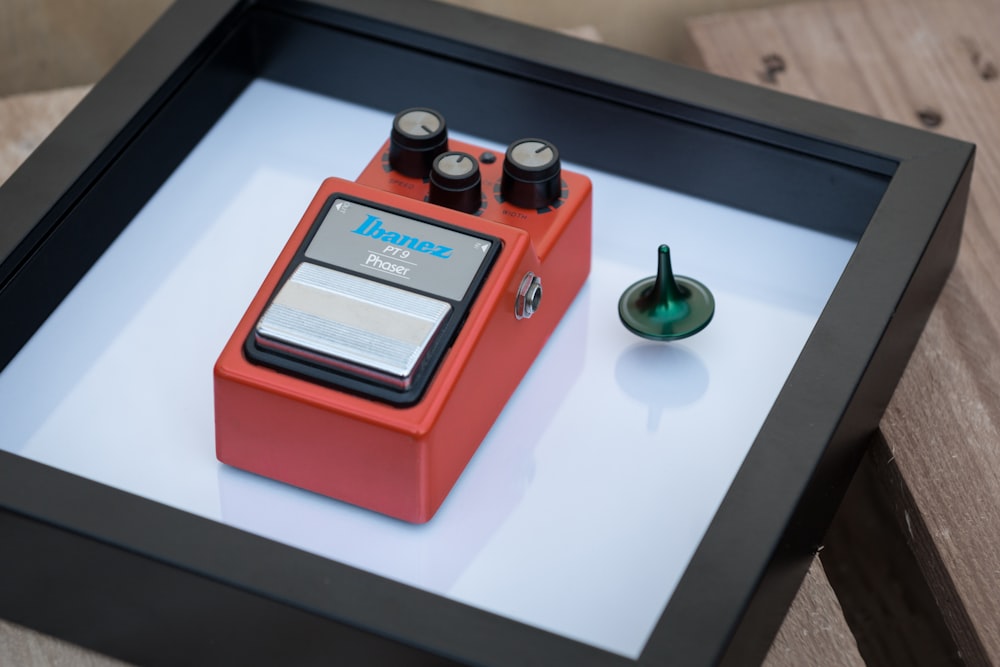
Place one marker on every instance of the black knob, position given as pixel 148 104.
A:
pixel 531 174
pixel 418 136
pixel 455 182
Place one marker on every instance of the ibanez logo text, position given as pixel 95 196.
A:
pixel 372 227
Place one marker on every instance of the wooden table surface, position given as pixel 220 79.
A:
pixel 934 65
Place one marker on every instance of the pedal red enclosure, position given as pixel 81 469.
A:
pixel 400 317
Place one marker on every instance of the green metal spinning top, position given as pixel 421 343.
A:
pixel 665 306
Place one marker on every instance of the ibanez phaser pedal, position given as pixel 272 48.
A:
pixel 400 317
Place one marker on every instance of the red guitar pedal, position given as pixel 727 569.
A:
pixel 400 317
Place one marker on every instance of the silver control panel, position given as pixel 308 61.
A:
pixel 373 296
pixel 408 252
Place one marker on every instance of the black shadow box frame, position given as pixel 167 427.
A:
pixel 151 584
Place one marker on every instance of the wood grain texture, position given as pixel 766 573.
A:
pixel 886 599
pixel 26 119
pixel 651 27
pixel 47 44
pixel 27 648
pixel 933 65
pixel 814 631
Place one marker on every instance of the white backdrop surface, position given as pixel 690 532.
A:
pixel 582 508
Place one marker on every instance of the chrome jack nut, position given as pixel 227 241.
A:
pixel 529 296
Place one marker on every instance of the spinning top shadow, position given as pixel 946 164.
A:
pixel 661 377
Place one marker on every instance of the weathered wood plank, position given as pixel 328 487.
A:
pixel 49 44
pixel 26 119
pixel 27 648
pixel 933 65
pixel 814 631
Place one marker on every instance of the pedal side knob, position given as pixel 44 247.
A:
pixel 418 136
pixel 455 182
pixel 532 174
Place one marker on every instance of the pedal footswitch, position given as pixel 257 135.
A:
pixel 372 300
